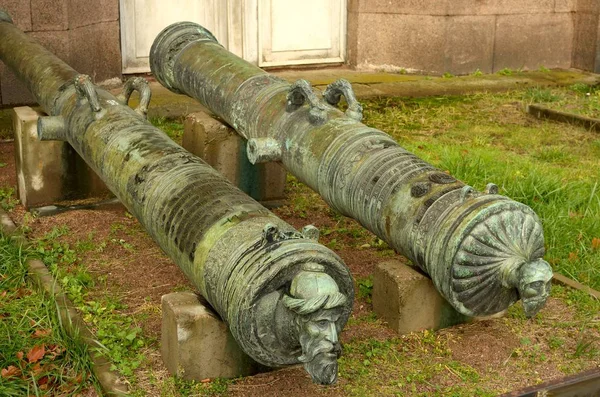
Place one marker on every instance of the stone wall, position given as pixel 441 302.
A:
pixel 83 33
pixel 461 36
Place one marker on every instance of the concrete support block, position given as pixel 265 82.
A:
pixel 98 49
pixel 197 345
pixel 407 300
pixel 543 40
pixel 49 172
pixel 49 15
pixel 221 147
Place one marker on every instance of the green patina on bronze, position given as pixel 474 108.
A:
pixel 482 250
pixel 240 256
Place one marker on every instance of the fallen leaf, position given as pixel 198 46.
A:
pixel 21 292
pixel 37 368
pixel 596 243
pixel 11 370
pixel 54 351
pixel 36 353
pixel 40 333
pixel 573 256
pixel 20 355
pixel 207 380
pixel 3 294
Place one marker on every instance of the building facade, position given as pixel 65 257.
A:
pixel 109 38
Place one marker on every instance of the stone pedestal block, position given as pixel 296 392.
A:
pixel 196 345
pixel 49 172
pixel 221 147
pixel 407 300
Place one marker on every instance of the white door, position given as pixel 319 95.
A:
pixel 263 32
pixel 293 32
pixel 142 21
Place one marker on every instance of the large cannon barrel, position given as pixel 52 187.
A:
pixel 482 250
pixel 259 273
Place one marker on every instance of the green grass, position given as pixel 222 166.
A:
pixel 581 99
pixel 8 199
pixel 172 127
pixel 121 337
pixel 552 167
pixel 36 357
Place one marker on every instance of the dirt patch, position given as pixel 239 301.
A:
pixel 8 176
pixel 293 382
pixel 130 263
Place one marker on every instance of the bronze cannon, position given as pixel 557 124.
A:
pixel 482 250
pixel 284 296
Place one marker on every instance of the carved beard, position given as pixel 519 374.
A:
pixel 320 359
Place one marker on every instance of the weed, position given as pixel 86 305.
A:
pixel 540 95
pixel 178 387
pixel 447 75
pixel 172 127
pixel 365 288
pixel 36 356
pixel 477 73
pixel 119 335
pixel 505 72
pixel 581 88
pixel 8 199
pixel 543 69
pixel 556 342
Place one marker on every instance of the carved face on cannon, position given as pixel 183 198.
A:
pixel 317 303
pixel 534 283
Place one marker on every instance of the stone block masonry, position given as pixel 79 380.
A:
pixel 83 33
pixel 462 36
